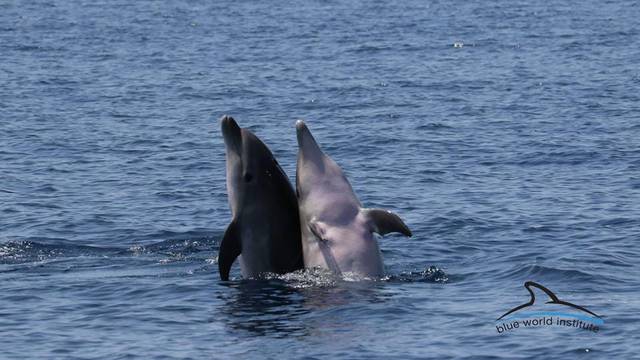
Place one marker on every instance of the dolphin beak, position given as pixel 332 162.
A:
pixel 306 143
pixel 232 134
pixel 301 130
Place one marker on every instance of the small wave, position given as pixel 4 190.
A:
pixel 25 47
pixel 184 245
pixel 544 273
pixel 306 278
pixel 536 228
pixel 616 222
pixel 20 252
pixel 433 126
pixel 318 277
pixel 370 48
pixel 456 221
pixel 432 274
pixel 39 205
pixel 557 158
pixel 179 247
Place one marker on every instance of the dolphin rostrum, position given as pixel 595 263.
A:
pixel 265 227
pixel 337 233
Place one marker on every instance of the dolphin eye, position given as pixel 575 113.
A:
pixel 248 177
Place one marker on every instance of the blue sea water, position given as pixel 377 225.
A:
pixel 505 134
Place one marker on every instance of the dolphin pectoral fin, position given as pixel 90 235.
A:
pixel 317 229
pixel 230 248
pixel 385 222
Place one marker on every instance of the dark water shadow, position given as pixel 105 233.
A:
pixel 308 302
pixel 264 308
pixel 293 305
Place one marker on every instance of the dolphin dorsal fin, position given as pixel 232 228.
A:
pixel 384 222
pixel 230 248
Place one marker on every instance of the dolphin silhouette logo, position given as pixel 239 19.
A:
pixel 554 300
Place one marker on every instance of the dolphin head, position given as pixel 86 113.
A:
pixel 311 163
pixel 319 178
pixel 309 152
pixel 251 167
pixel 233 143
pixel 313 169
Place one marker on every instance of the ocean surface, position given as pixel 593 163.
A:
pixel 505 134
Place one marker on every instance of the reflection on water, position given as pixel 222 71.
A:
pixel 264 307
pixel 297 304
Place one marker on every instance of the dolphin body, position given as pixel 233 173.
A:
pixel 337 233
pixel 265 227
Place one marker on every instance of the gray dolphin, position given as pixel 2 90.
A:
pixel 336 230
pixel 265 227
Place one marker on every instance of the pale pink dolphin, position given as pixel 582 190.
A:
pixel 337 232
